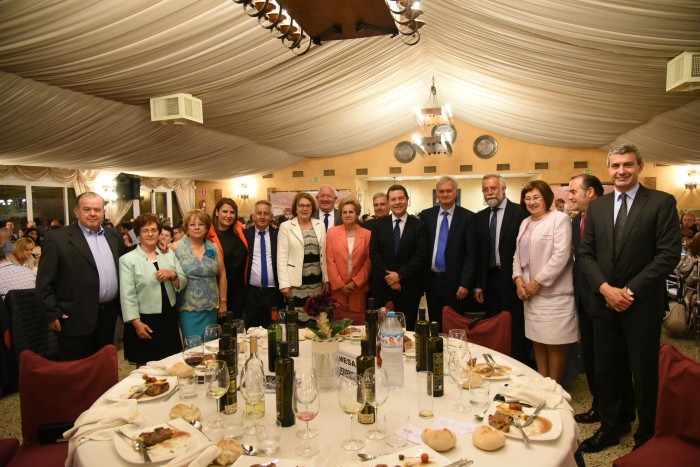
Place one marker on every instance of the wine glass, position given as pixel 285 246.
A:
pixel 192 351
pixel 460 371
pixel 376 388
pixel 457 339
pixel 210 337
pixel 217 386
pixel 402 320
pixel 305 404
pixel 252 387
pixel 351 398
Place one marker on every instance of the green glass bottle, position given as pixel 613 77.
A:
pixel 365 360
pixel 227 353
pixel 436 360
pixel 274 335
pixel 291 319
pixel 422 332
pixel 371 326
pixel 284 386
pixel 256 410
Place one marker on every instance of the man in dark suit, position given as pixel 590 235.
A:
pixel 496 233
pixel 326 212
pixel 77 282
pixel 452 240
pixel 631 242
pixel 263 289
pixel 381 209
pixel 399 251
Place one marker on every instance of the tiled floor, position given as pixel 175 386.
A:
pixel 11 425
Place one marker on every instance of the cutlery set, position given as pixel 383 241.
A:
pixel 140 445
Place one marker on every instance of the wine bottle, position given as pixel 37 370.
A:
pixel 436 361
pixel 227 353
pixel 364 361
pixel 371 326
pixel 292 328
pixel 284 386
pixel 422 332
pixel 274 336
pixel 256 410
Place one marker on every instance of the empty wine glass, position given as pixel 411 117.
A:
pixel 252 388
pixel 351 398
pixel 217 386
pixel 212 333
pixel 457 339
pixel 460 371
pixel 376 387
pixel 305 405
pixel 402 319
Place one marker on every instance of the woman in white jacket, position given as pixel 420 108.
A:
pixel 301 253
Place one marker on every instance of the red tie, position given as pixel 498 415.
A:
pixel 580 234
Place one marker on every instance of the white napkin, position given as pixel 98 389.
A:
pixel 201 456
pixel 258 332
pixel 152 368
pixel 536 391
pixel 98 423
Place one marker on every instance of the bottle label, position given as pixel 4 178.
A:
pixel 293 339
pixel 392 340
pixel 438 372
pixel 366 417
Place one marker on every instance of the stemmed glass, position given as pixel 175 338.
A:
pixel 460 371
pixel 217 386
pixel 252 386
pixel 351 398
pixel 212 332
pixel 305 405
pixel 376 387
pixel 192 351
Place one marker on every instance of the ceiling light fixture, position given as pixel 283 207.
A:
pixel 279 22
pixel 692 180
pixel 436 124
pixel 405 14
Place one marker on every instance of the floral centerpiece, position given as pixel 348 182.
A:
pixel 321 308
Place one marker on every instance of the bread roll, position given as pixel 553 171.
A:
pixel 189 413
pixel 180 369
pixel 439 440
pixel 475 381
pixel 231 450
pixel 488 439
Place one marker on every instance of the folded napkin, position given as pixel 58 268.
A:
pixel 98 423
pixel 201 456
pixel 258 332
pixel 535 391
pixel 152 368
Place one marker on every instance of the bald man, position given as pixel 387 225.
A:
pixel 326 212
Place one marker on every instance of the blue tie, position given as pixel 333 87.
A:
pixel 325 220
pixel 263 260
pixel 442 242
pixel 397 235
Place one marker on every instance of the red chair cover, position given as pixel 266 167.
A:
pixel 676 439
pixel 8 446
pixel 493 332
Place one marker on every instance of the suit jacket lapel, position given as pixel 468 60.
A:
pixel 77 239
pixel 507 218
pixel 640 200
pixel 296 231
pixel 457 219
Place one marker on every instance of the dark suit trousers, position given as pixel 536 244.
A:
pixel 78 347
pixel 440 293
pixel 498 296
pixel 259 304
pixel 585 326
pixel 619 342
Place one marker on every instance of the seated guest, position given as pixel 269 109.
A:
pixel 178 233
pixel 166 236
pixel 22 253
pixel 9 225
pixel 349 266
pixel 688 226
pixel 149 280
pixel 6 246
pixel 14 277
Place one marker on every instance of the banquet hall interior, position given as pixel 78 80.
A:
pixel 166 106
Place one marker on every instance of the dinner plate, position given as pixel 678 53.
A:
pixel 168 449
pixel 247 461
pixel 547 424
pixel 505 374
pixel 411 457
pixel 127 386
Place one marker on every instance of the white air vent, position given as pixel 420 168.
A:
pixel 176 108
pixel 683 72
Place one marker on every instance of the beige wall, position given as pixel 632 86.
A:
pixel 520 155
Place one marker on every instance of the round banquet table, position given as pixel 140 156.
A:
pixel 334 426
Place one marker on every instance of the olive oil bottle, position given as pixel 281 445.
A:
pixel 291 319
pixel 365 360
pixel 284 386
pixel 436 360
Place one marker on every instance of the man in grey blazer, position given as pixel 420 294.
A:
pixel 326 212
pixel 631 242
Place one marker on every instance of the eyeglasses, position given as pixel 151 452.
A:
pixel 533 199
pixel 149 231
pixel 303 206
pixel 196 226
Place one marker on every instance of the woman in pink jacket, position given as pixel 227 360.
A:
pixel 349 267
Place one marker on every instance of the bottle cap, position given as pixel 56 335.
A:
pixel 275 313
pixel 370 303
pixel 392 313
pixel 226 329
pixel 364 347
pixel 290 303
pixel 434 330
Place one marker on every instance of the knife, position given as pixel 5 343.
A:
pixel 531 419
pixel 460 463
pixel 175 389
pixel 138 393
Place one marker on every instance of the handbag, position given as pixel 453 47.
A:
pixel 675 321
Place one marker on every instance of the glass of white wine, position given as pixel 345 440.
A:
pixel 217 386
pixel 252 386
pixel 351 397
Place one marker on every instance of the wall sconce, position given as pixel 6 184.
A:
pixel 692 180
pixel 244 194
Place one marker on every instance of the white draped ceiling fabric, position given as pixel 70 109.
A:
pixel 76 75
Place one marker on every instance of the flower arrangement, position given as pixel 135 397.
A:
pixel 321 307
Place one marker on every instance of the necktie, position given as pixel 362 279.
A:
pixel 620 221
pixel 397 235
pixel 263 260
pixel 492 237
pixel 325 221
pixel 580 230
pixel 442 242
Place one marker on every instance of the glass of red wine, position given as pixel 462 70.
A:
pixel 193 351
pixel 305 404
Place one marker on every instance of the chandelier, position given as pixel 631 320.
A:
pixel 405 14
pixel 279 22
pixel 438 132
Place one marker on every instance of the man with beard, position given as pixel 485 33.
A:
pixel 496 233
pixel 326 212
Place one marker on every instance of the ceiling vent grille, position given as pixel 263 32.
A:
pixel 683 73
pixel 177 109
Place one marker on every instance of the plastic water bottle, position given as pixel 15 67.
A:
pixel 392 349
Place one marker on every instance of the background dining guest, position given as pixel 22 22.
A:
pixel 227 233
pixel 399 251
pixel 452 244
pixel 22 253
pixel 149 280
pixel 166 235
pixel 263 288
pixel 542 272
pixel 301 252
pixel 380 204
pixel 327 213
pixel 349 266
pixel 13 277
pixel 77 282
pixel 203 264
pixel 631 242
pixel 6 245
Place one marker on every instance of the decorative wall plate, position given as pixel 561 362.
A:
pixel 485 146
pixel 405 152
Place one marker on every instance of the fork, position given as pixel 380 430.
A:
pixel 518 425
pixel 143 450
pixel 494 365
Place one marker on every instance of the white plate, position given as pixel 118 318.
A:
pixel 508 370
pixel 411 454
pixel 168 449
pixel 127 386
pixel 246 461
pixel 549 420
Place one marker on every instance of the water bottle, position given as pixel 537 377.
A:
pixel 392 349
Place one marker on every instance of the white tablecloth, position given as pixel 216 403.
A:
pixel 334 425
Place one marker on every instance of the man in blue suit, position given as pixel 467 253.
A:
pixel 263 289
pixel 452 241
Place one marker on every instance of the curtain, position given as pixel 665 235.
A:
pixel 116 210
pixel 184 191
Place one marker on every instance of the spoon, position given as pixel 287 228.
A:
pixel 368 457
pixel 197 424
pixel 249 450
pixel 481 415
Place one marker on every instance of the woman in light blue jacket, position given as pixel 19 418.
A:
pixel 148 281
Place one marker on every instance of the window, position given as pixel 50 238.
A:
pixel 13 204
pixel 47 204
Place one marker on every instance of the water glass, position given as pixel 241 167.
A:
pixel 268 434
pixel 479 397
pixel 396 422
pixel 232 425
pixel 187 387
pixel 425 394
